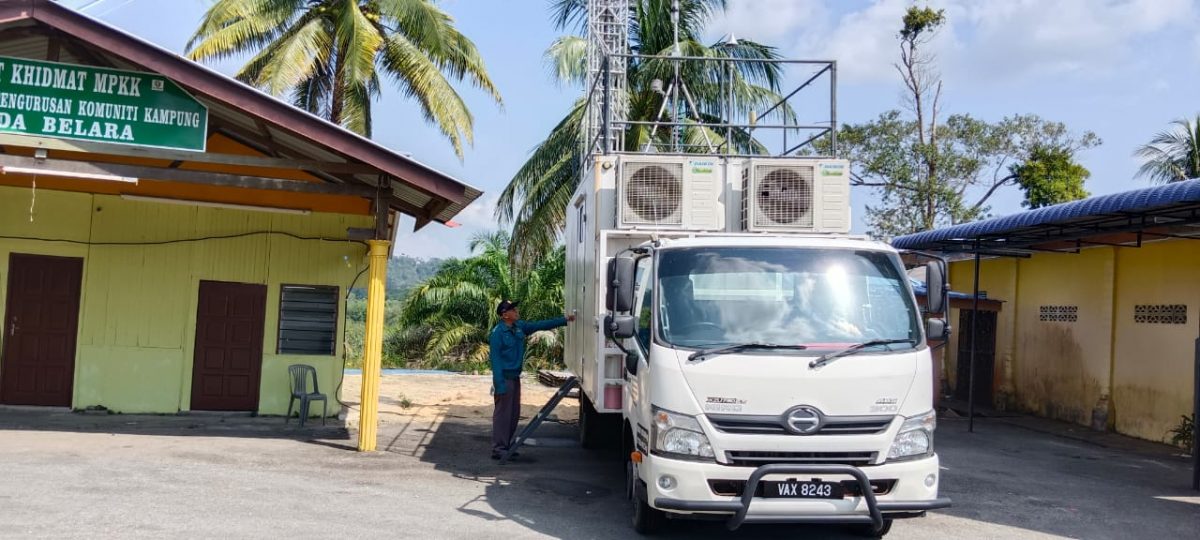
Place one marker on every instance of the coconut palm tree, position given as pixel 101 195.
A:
pixel 536 199
pixel 447 318
pixel 329 56
pixel 1172 156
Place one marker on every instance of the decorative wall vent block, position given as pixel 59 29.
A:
pixel 1160 314
pixel 1058 313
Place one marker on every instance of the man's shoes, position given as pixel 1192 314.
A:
pixel 498 455
pixel 495 455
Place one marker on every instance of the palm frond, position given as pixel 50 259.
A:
pixel 432 31
pixel 567 60
pixel 231 27
pixel 1172 155
pixel 569 15
pixel 290 59
pixel 419 78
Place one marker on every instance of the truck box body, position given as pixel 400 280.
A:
pixel 752 253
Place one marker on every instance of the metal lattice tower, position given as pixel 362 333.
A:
pixel 608 41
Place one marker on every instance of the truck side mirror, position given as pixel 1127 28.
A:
pixel 621 271
pixel 620 326
pixel 936 287
pixel 631 363
pixel 937 329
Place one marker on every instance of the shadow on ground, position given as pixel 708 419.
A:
pixel 554 484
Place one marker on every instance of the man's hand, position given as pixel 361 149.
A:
pixel 570 317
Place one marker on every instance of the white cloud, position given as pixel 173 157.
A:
pixel 439 241
pixel 984 39
pixel 864 42
pixel 1022 37
pixel 480 214
pixel 774 22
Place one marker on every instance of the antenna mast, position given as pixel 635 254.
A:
pixel 607 45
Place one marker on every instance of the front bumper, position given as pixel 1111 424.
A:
pixel 908 493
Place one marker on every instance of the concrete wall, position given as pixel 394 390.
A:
pixel 1103 367
pixel 138 305
pixel 1062 368
pixel 1153 362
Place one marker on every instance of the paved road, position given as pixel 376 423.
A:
pixel 152 479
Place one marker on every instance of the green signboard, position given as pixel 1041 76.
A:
pixel 67 101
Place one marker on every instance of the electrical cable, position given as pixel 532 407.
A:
pixel 181 240
pixel 337 393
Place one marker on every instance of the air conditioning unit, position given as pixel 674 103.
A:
pixel 796 195
pixel 670 192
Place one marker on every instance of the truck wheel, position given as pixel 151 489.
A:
pixel 589 423
pixel 868 531
pixel 646 520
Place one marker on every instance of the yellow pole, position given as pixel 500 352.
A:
pixel 368 418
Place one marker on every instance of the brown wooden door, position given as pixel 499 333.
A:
pixel 229 339
pixel 40 326
pixel 985 357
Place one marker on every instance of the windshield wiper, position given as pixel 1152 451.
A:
pixel 705 353
pixel 829 357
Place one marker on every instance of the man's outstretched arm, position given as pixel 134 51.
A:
pixel 538 326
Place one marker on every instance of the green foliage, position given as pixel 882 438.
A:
pixel 446 320
pixel 404 273
pixel 919 22
pixel 969 157
pixel 536 198
pixel 1182 435
pixel 329 56
pixel 1050 176
pixel 1172 156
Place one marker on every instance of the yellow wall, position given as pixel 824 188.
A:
pixel 1152 371
pixel 138 305
pixel 1140 374
pixel 1063 367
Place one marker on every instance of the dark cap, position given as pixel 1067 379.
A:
pixel 505 305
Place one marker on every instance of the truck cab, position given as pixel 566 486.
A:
pixel 774 379
pixel 754 359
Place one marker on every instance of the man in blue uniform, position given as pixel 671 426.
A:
pixel 507 354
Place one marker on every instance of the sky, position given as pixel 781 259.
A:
pixel 1120 68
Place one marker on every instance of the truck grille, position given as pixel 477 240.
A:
pixel 773 425
pixel 755 459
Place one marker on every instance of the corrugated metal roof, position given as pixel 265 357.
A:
pixel 1122 206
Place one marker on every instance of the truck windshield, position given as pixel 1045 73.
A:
pixel 819 298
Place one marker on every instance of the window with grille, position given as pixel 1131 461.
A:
pixel 1160 314
pixel 1058 313
pixel 308 320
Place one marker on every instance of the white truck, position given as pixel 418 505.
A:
pixel 756 361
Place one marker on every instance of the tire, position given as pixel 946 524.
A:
pixel 596 430
pixel 868 531
pixel 589 423
pixel 646 520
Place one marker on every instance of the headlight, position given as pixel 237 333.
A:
pixel 679 436
pixel 915 439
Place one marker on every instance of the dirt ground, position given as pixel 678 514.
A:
pixel 405 398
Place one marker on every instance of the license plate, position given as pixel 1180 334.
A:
pixel 793 489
